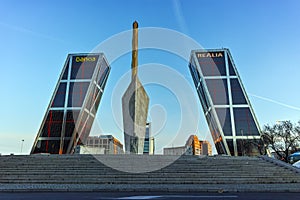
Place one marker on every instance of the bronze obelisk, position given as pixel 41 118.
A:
pixel 135 102
pixel 134 53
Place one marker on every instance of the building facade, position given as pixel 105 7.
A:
pixel 109 143
pixel 81 149
pixel 149 146
pixel 176 151
pixel 205 147
pixel 193 146
pixel 73 106
pixel 226 106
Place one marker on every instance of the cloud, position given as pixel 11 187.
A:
pixel 276 102
pixel 179 16
pixel 30 32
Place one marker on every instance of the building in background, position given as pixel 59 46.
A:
pixel 73 106
pixel 109 143
pixel 176 151
pixel 206 148
pixel 149 146
pixel 82 149
pixel 225 103
pixel 193 146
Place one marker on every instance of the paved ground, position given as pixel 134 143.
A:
pixel 158 196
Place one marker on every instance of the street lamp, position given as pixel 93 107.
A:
pixel 22 145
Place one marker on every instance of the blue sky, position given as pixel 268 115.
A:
pixel 36 36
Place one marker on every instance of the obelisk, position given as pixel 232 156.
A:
pixel 135 102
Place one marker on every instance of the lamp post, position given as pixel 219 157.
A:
pixel 22 141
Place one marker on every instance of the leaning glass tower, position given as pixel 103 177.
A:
pixel 73 106
pixel 226 106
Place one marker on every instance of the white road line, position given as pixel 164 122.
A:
pixel 140 197
pixel 179 196
pixel 201 196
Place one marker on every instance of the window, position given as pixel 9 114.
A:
pixel 59 99
pixel 77 93
pixel 230 146
pixel 202 96
pixel 212 66
pixel 231 70
pixel 66 72
pixel 237 92
pixel 86 130
pixel 83 67
pixel 194 72
pixel 244 122
pixel 71 120
pixel 224 119
pixel 48 146
pixel 92 98
pixel 101 74
pixel 218 91
pixel 53 124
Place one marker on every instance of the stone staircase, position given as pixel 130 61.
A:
pixel 146 173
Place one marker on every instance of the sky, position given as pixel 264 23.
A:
pixel 37 36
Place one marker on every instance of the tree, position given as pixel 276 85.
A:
pixel 283 138
pixel 252 144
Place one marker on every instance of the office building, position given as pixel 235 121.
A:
pixel 149 146
pixel 226 106
pixel 206 148
pixel 193 146
pixel 73 106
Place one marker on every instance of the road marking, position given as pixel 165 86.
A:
pixel 140 197
pixel 200 196
pixel 179 196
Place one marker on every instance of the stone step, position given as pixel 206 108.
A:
pixel 170 176
pixel 176 188
pixel 158 173
pixel 161 181
pixel 111 172
pixel 86 170
pixel 162 166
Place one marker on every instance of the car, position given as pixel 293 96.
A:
pixel 294 157
pixel 297 164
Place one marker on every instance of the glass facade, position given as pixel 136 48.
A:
pixel 224 101
pixel 224 117
pixel 72 109
pixel 148 141
pixel 213 63
pixel 218 91
pixel 244 122
pixel 238 96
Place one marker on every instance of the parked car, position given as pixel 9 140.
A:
pixel 294 157
pixel 297 164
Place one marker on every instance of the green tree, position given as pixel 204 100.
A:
pixel 283 138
